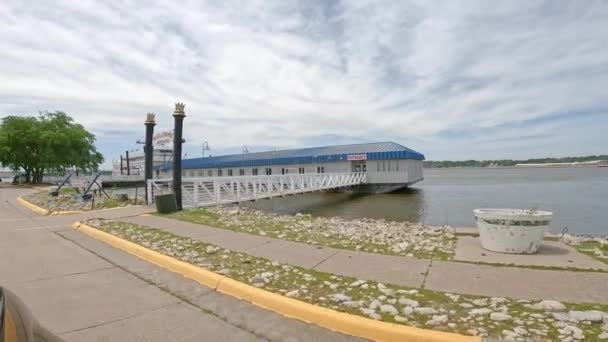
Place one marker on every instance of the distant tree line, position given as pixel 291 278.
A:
pixel 509 162
pixel 47 142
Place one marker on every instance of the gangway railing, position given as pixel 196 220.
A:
pixel 209 191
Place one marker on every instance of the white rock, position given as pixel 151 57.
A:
pixel 275 263
pixel 453 297
pixel 380 286
pixel 223 271
pixel 452 325
pixel 425 311
pixel 211 249
pixel 480 312
pixel 591 316
pixel 370 313
pixel 499 316
pixel 257 280
pixel 408 302
pixel 399 319
pixel 267 275
pixel 480 302
pixel 547 305
pixel 388 292
pixel 560 316
pixel 352 303
pixel 408 310
pixel 293 293
pixel 520 331
pixel 472 332
pixel 392 301
pixel 498 300
pixel 357 283
pixel 339 297
pixel 375 304
pixel 465 305
pixel 603 336
pixel 389 309
pixel 333 286
pixel 440 319
pixel 375 316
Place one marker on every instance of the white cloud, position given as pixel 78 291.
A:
pixel 279 73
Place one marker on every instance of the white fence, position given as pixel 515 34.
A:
pixel 208 191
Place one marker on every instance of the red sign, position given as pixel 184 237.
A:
pixel 357 157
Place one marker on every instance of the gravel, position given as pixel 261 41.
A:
pixel 369 235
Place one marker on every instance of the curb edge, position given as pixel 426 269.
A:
pixel 33 207
pixel 310 313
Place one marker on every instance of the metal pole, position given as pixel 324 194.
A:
pixel 128 166
pixel 121 165
pixel 179 116
pixel 149 150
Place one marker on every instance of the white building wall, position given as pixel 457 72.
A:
pixel 395 171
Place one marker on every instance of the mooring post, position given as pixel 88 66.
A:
pixel 179 116
pixel 149 151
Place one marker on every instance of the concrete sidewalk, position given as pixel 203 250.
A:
pixel 84 290
pixel 464 278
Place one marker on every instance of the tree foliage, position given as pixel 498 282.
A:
pixel 48 142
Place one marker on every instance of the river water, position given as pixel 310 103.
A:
pixel 577 196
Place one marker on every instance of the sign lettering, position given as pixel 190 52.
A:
pixel 356 157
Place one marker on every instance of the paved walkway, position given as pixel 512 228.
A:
pixel 84 290
pixel 464 278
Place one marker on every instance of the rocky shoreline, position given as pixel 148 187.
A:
pixel 594 246
pixel 508 319
pixel 368 235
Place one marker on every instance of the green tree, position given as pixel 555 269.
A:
pixel 49 142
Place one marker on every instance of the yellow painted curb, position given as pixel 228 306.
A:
pixel 32 206
pixel 190 271
pixel 327 318
pixel 67 212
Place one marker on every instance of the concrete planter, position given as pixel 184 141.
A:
pixel 513 231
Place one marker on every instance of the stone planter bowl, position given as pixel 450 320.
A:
pixel 513 231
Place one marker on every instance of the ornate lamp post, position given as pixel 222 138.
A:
pixel 179 116
pixel 149 150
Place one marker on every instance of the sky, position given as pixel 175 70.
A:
pixel 451 79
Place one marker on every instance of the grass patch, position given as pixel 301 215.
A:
pixel 367 298
pixel 594 249
pixel 374 236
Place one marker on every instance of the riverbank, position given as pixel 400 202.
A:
pixel 576 196
pixel 487 316
pixel 367 235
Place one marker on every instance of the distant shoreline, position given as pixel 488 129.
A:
pixel 515 167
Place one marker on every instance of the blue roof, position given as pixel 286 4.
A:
pixel 373 151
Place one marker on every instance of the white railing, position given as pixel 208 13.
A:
pixel 208 191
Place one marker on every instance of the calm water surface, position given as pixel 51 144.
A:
pixel 577 196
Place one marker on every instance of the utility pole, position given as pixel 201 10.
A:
pixel 179 116
pixel 149 150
